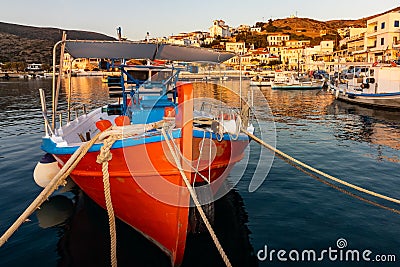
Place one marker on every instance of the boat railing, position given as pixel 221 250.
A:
pixel 63 117
pixel 216 110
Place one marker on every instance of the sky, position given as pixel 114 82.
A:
pixel 164 18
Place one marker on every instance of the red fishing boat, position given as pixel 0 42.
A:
pixel 154 143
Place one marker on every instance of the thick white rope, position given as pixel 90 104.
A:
pixel 103 158
pixel 109 137
pixel 366 191
pixel 196 201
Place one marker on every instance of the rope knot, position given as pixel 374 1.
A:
pixel 105 154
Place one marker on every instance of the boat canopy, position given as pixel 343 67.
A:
pixel 137 50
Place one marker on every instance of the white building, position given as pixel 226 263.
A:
pixel 383 33
pixel 255 29
pixel 34 67
pixel 277 39
pixel 238 48
pixel 243 28
pixel 327 46
pixel 219 29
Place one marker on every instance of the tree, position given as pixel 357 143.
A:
pixel 7 66
pixel 46 67
pixel 259 24
pixel 274 62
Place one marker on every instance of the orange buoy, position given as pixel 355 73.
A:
pixel 103 125
pixel 122 121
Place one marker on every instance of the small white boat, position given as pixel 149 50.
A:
pixel 291 81
pixel 380 88
pixel 261 81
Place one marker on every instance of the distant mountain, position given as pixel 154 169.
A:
pixel 305 28
pixel 34 44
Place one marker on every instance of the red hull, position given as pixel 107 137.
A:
pixel 147 190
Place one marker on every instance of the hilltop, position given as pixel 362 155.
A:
pixel 20 43
pixel 314 30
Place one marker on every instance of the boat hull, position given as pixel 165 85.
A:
pixel 389 101
pixel 147 190
pixel 261 83
pixel 373 101
pixel 297 87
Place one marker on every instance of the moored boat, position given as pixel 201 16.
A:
pixel 156 133
pixel 378 88
pixel 261 81
pixel 291 81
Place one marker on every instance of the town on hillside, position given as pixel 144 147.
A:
pixel 265 46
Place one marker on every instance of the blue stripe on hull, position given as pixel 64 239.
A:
pixel 50 147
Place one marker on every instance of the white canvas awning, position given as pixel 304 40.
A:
pixel 152 51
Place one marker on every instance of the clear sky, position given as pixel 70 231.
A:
pixel 163 18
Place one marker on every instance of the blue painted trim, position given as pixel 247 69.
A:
pixel 373 95
pixel 50 147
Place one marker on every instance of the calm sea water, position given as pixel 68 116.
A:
pixel 290 211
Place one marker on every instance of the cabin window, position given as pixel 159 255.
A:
pixel 382 41
pixel 396 23
pixel 383 25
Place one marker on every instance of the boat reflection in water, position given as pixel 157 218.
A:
pixel 84 235
pixel 378 127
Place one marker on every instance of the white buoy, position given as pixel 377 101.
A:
pixel 45 170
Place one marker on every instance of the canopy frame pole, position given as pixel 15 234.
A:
pixel 69 91
pixel 56 88
pixel 240 82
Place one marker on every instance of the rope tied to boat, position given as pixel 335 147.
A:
pixel 195 199
pixel 103 158
pixel 304 165
pixel 109 137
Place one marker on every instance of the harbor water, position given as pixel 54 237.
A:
pixel 290 212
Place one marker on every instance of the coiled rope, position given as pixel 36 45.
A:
pixel 196 200
pixel 358 188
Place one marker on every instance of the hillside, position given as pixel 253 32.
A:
pixel 305 28
pixel 35 44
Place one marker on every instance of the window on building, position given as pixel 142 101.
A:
pixel 396 23
pixel 375 28
pixel 383 25
pixel 382 41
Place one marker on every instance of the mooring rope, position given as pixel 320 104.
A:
pixel 109 137
pixel 358 188
pixel 58 180
pixel 312 175
pixel 103 158
pixel 196 201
